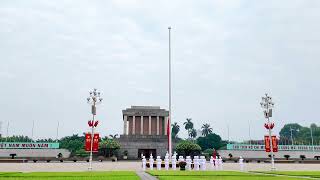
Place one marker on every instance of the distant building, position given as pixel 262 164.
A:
pixel 144 131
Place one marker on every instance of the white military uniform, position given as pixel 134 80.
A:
pixel 216 162
pixel 188 161
pixel 151 162
pixel 196 163
pixel 203 163
pixel 159 161
pixel 144 163
pixel 241 163
pixel 166 162
pixel 212 162
pixel 174 162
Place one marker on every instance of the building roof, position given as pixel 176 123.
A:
pixel 145 111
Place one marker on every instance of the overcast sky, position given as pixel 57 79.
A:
pixel 226 55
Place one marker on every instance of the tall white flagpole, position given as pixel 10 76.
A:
pixel 7 131
pixel 32 130
pixel 170 112
pixel 57 132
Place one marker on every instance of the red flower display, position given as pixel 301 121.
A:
pixel 96 123
pixel 269 126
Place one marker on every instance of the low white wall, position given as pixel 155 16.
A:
pixel 262 154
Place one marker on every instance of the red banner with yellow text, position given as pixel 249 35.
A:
pixel 267 143
pixel 274 142
pixel 88 142
pixel 95 145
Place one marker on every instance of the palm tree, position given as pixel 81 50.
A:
pixel 113 136
pixel 175 129
pixel 193 133
pixel 206 129
pixel 188 125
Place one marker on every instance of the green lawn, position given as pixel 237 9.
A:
pixel 162 175
pixel 224 175
pixel 112 175
pixel 313 174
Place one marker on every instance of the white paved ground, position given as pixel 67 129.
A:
pixel 136 166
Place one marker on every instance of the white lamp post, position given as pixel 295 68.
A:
pixel 94 99
pixel 267 104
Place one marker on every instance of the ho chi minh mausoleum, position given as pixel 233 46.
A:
pixel 144 131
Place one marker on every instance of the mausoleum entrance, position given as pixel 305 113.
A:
pixel 147 152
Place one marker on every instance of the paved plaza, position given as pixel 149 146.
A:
pixel 136 166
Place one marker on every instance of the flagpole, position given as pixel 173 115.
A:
pixel 32 131
pixel 57 132
pixel 169 120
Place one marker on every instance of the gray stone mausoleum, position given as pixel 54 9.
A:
pixel 144 131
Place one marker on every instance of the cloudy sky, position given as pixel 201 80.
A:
pixel 226 55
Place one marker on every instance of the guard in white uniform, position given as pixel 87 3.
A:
pixel 151 162
pixel 188 161
pixel 196 163
pixel 216 163
pixel 241 163
pixel 174 163
pixel 202 163
pixel 211 162
pixel 144 163
pixel 166 162
pixel 159 161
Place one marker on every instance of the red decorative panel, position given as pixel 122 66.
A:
pixel 146 125
pixel 138 124
pixel 267 143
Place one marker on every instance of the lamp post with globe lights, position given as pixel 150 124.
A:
pixel 94 99
pixel 267 105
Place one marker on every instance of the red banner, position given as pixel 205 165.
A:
pixel 267 143
pixel 95 146
pixel 88 142
pixel 274 141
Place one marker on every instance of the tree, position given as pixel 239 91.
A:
pixel 193 133
pixel 187 148
pixel 113 136
pixel 81 153
pixel 46 140
pixel 211 141
pixel 285 132
pixel 188 125
pixel 14 138
pixel 300 134
pixel 206 129
pixel 109 146
pixel 73 143
pixel 175 129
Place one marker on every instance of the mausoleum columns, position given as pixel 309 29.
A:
pixel 149 125
pixel 141 125
pixel 134 125
pixel 165 125
pixel 125 125
pixel 158 129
